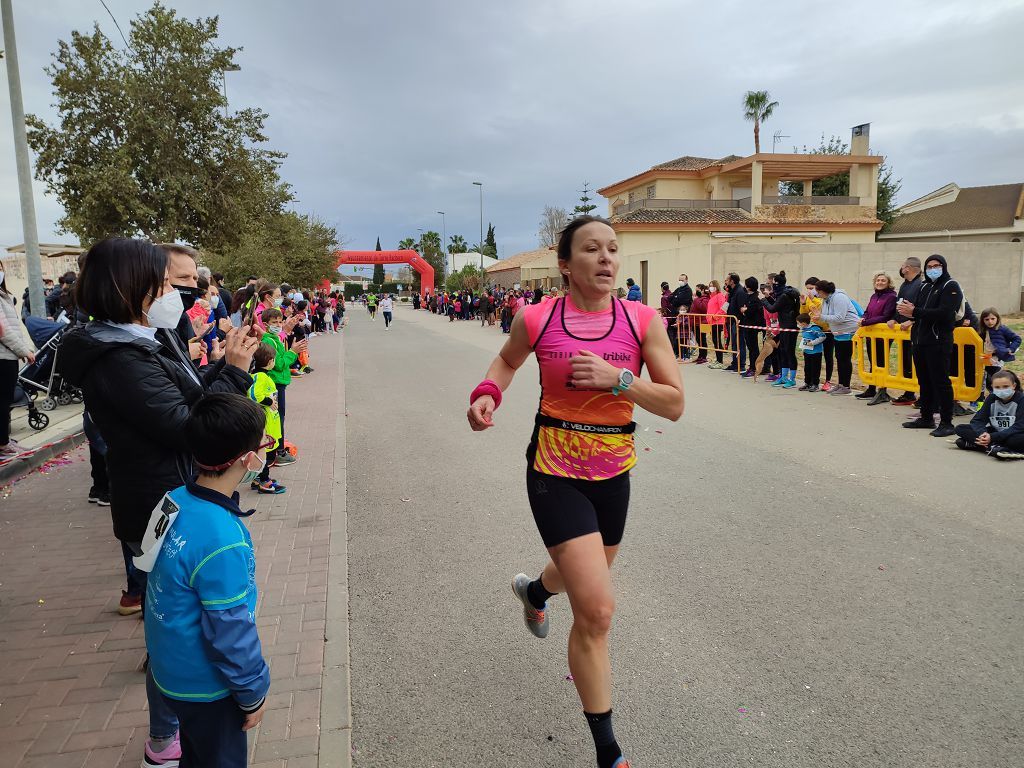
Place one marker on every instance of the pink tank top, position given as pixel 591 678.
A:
pixel 577 448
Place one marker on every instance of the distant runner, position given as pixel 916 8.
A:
pixel 371 305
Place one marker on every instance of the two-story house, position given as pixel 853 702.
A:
pixel 669 218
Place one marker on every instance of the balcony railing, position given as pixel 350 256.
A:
pixel 813 200
pixel 662 204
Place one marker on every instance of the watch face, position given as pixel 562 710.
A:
pixel 626 377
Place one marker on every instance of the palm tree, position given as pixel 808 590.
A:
pixel 758 108
pixel 457 244
pixel 407 245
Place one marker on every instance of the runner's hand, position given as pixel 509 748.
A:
pixel 481 413
pixel 591 371
pixel 253 718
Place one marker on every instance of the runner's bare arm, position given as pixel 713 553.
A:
pixel 662 395
pixel 502 370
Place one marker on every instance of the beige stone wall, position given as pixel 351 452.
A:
pixel 680 189
pixel 990 273
pixel 810 214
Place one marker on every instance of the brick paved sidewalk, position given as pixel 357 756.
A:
pixel 71 693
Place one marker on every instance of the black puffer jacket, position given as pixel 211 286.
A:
pixel 936 308
pixel 139 393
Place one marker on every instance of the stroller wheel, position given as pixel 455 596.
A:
pixel 47 403
pixel 38 420
pixel 77 396
pixel 64 398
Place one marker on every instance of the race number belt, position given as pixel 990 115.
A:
pixel 594 429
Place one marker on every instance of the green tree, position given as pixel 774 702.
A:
pixel 466 279
pixel 409 244
pixel 585 207
pixel 430 249
pixel 378 271
pixel 285 247
pixel 457 244
pixel 490 244
pixel 142 146
pixel 378 245
pixel 758 107
pixel 839 184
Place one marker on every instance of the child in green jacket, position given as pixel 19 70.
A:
pixel 264 392
pixel 281 373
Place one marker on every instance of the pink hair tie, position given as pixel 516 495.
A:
pixel 486 387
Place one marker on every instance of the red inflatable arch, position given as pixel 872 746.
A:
pixel 411 258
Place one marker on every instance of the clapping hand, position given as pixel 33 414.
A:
pixel 239 347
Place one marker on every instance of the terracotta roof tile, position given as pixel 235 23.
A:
pixel 684 216
pixel 690 163
pixel 519 259
pixel 974 208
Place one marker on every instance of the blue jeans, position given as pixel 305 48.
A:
pixel 211 733
pixel 136 579
pixel 163 722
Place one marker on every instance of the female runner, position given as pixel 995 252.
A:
pixel 590 347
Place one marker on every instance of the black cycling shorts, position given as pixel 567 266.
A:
pixel 565 509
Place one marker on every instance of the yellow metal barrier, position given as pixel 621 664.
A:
pixel 873 347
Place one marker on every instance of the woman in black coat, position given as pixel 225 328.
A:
pixel 139 386
pixel 787 306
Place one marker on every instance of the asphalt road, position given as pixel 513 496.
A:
pixel 802 582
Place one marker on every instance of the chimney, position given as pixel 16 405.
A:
pixel 859 145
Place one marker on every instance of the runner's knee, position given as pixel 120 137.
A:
pixel 593 616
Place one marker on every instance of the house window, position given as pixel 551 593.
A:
pixel 650 192
pixel 632 197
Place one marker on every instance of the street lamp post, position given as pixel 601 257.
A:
pixel 33 264
pixel 481 185
pixel 444 242
pixel 224 83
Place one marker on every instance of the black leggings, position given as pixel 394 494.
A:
pixel 750 338
pixel 565 509
pixel 828 351
pixel 970 433
pixel 716 341
pixel 787 350
pixel 8 380
pixel 844 361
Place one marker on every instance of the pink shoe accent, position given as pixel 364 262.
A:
pixel 169 757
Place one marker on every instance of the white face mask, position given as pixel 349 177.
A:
pixel 274 329
pixel 214 301
pixel 2 276
pixel 165 312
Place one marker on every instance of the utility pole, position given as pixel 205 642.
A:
pixel 28 209
pixel 481 185
pixel 444 244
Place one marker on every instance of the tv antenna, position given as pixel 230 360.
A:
pixel 776 138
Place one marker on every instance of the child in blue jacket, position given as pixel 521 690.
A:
pixel 1001 343
pixel 204 651
pixel 811 339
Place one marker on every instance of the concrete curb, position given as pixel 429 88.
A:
pixel 21 466
pixel 336 691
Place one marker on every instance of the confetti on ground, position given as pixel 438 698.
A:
pixel 570 678
pixel 742 710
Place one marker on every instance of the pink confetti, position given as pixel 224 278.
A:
pixel 570 678
pixel 742 710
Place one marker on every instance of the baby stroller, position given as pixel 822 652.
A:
pixel 36 419
pixel 41 377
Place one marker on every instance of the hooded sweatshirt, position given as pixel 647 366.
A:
pixel 936 308
pixel 840 314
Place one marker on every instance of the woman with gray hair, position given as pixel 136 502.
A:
pixel 880 309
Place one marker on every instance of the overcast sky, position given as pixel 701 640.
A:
pixel 390 110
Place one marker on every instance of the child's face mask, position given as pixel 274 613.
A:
pixel 1003 393
pixel 252 474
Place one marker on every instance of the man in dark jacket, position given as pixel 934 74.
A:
pixel 737 298
pixel 913 279
pixel 681 300
pixel 934 316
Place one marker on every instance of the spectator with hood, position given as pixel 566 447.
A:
pixel 935 317
pixel 634 291
pixel 785 304
pixel 838 310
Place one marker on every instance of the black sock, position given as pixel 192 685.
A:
pixel 537 594
pixel 604 738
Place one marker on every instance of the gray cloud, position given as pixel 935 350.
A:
pixel 390 110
